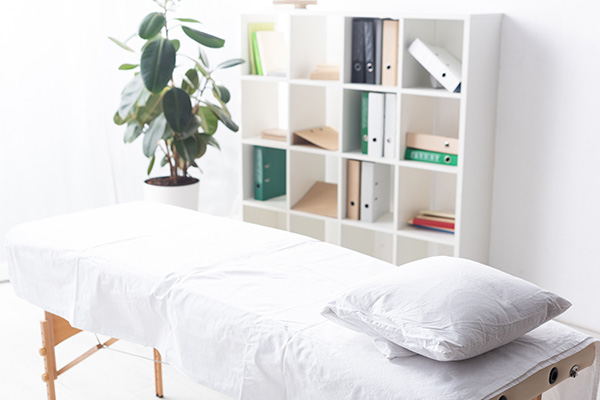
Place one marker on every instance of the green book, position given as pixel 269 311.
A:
pixel 364 123
pixel 430 156
pixel 252 28
pixel 257 64
pixel 269 172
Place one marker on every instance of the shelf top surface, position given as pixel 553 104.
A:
pixel 315 11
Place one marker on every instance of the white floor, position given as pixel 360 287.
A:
pixel 105 375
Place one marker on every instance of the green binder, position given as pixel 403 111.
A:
pixel 364 123
pixel 269 172
pixel 257 64
pixel 430 156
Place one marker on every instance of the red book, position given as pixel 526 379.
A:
pixel 419 220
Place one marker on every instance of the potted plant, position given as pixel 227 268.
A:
pixel 175 108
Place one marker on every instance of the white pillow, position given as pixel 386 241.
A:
pixel 445 308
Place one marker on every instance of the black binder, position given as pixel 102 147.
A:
pixel 370 62
pixel 358 50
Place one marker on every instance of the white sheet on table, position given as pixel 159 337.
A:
pixel 236 307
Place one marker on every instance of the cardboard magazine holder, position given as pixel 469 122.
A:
pixel 321 199
pixel 324 137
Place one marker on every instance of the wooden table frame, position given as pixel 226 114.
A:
pixel 56 330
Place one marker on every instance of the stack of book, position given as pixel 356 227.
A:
pixel 268 54
pixel 378 124
pixel 435 220
pixel 375 51
pixel 431 148
pixel 368 196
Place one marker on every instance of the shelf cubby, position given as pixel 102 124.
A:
pixel 315 39
pixel 374 243
pixel 430 115
pixel 263 107
pixel 411 249
pixel 277 203
pixel 306 169
pixel 312 107
pixel 420 189
pixel 315 227
pixel 282 24
pixel 385 223
pixel 446 33
pixel 261 216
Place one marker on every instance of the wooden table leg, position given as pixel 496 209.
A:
pixel 47 351
pixel 158 374
pixel 538 397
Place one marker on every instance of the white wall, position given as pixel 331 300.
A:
pixel 59 150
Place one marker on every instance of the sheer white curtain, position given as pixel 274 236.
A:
pixel 59 89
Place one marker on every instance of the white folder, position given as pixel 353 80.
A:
pixel 374 191
pixel 375 124
pixel 442 65
pixel 389 126
pixel 273 52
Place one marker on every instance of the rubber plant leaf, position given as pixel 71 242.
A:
pixel 187 148
pixel 176 44
pixel 151 25
pixel 129 96
pixel 125 67
pixel 203 57
pixel 203 38
pixel 151 165
pixel 230 63
pixel 121 44
pixel 211 141
pixel 177 108
pixel 222 93
pixel 132 132
pixel 157 64
pixel 208 120
pixel 153 134
pixel 150 110
pixel 190 20
pixel 224 118
pixel 121 121
pixel 203 141
pixel 191 80
pixel 192 127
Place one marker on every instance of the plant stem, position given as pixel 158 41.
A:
pixel 172 166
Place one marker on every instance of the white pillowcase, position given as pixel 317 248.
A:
pixel 444 308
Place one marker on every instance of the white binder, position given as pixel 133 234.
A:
pixel 389 126
pixel 442 65
pixel 375 125
pixel 374 191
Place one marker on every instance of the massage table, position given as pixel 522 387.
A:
pixel 236 307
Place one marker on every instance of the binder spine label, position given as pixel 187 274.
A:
pixel 431 157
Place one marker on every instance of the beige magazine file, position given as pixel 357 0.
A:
pixel 324 137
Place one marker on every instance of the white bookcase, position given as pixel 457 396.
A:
pixel 295 102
